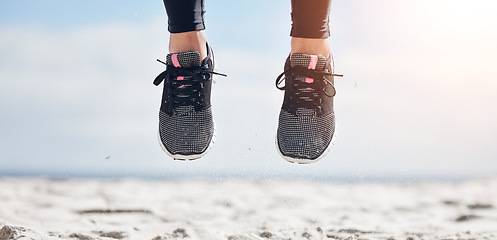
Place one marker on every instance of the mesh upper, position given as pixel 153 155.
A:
pixel 190 133
pixel 305 135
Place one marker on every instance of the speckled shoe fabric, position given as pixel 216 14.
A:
pixel 306 123
pixel 186 126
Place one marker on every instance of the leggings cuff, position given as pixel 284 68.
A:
pixel 307 32
pixel 176 28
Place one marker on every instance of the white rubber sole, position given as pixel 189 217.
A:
pixel 307 161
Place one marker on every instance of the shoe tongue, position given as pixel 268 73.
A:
pixel 316 62
pixel 184 59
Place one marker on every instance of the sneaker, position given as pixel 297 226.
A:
pixel 306 124
pixel 186 127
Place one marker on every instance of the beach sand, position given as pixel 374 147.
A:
pixel 245 209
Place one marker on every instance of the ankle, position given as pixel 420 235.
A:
pixel 188 41
pixel 311 46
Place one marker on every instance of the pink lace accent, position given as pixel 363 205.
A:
pixel 314 62
pixel 174 58
pixel 181 78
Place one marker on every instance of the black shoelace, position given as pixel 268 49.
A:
pixel 188 91
pixel 307 92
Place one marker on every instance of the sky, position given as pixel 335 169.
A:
pixel 417 98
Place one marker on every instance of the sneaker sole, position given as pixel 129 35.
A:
pixel 303 160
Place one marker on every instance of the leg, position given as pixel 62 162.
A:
pixel 310 27
pixel 186 25
pixel 186 126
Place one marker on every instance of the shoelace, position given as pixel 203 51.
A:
pixel 187 91
pixel 307 92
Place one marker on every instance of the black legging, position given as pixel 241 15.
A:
pixel 310 18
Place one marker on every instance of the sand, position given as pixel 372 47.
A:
pixel 245 209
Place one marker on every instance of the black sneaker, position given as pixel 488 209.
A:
pixel 186 127
pixel 306 124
